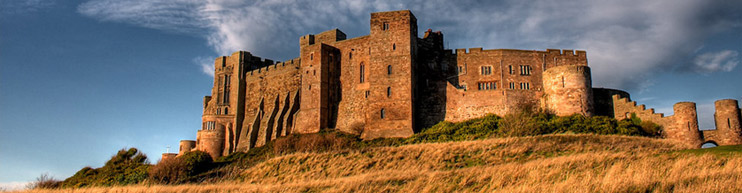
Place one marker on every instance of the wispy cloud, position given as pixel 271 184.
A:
pixel 24 7
pixel 206 64
pixel 626 41
pixel 724 60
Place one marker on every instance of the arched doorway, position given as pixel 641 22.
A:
pixel 709 144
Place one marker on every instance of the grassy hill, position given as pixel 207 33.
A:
pixel 546 163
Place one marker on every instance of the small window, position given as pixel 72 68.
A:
pixel 385 26
pixel 525 86
pixel 525 70
pixel 486 70
pixel 382 113
pixel 350 55
pixel 460 70
pixel 510 69
pixel 362 73
pixel 389 70
pixel 388 91
pixel 368 93
pixel 512 85
pixel 562 81
pixel 487 85
pixel 218 111
pixel 226 110
pixel 394 46
pixel 311 56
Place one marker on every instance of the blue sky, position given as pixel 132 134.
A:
pixel 82 79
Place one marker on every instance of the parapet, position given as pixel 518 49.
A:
pixel 186 146
pixel 328 36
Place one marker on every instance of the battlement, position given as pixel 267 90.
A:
pixel 624 107
pixel 328 36
pixel 276 66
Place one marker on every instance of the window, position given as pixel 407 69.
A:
pixel 226 110
pixel 385 26
pixel 394 46
pixel 487 85
pixel 510 69
pixel 389 70
pixel 218 111
pixel 224 62
pixel 368 93
pixel 525 86
pixel 486 70
pixel 525 70
pixel 311 56
pixel 209 125
pixel 362 73
pixel 382 113
pixel 460 70
pixel 562 81
pixel 350 55
pixel 388 91
pixel 512 85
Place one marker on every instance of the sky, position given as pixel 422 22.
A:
pixel 80 80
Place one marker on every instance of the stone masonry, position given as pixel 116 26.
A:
pixel 392 83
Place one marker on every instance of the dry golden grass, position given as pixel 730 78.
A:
pixel 552 163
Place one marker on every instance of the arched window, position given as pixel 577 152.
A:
pixel 383 113
pixel 226 110
pixel 389 70
pixel 362 72
pixel 311 56
pixel 388 91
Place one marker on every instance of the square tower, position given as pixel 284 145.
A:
pixel 391 75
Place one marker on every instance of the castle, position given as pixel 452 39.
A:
pixel 392 83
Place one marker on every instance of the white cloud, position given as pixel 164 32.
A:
pixel 724 60
pixel 206 64
pixel 626 41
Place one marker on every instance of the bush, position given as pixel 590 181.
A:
pixel 315 142
pixel 126 167
pixel 181 169
pixel 44 182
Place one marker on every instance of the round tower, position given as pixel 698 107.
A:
pixel 685 128
pixel 186 146
pixel 568 90
pixel 211 142
pixel 727 119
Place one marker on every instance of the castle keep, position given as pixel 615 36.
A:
pixel 392 83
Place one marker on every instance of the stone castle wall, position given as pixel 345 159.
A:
pixel 392 83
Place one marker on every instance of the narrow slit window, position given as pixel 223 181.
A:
pixel 394 46
pixel 389 70
pixel 362 72
pixel 382 113
pixel 388 91
pixel 385 26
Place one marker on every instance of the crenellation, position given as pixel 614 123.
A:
pixel 392 83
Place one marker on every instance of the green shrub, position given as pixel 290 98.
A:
pixel 126 167
pixel 181 169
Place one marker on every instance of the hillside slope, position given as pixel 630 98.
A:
pixel 550 163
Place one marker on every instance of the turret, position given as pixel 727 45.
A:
pixel 568 90
pixel 186 146
pixel 211 141
pixel 727 117
pixel 685 127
